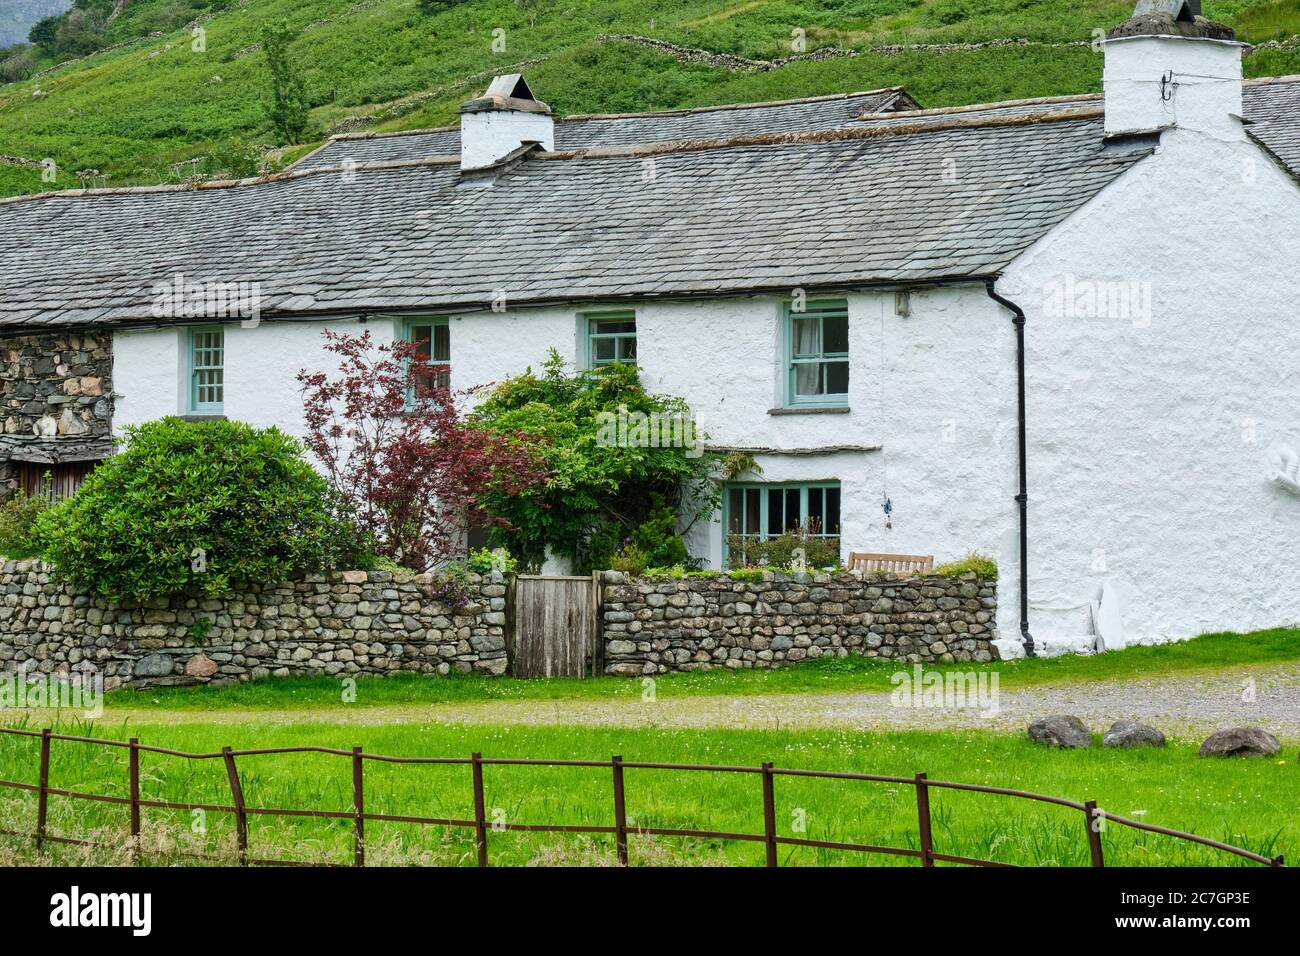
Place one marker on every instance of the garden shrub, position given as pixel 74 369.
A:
pixel 394 445
pixel 629 559
pixel 605 504
pixel 779 552
pixel 17 518
pixel 484 561
pixel 213 505
pixel 654 544
pixel 980 564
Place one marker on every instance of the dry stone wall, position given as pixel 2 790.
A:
pixel 352 623
pixel 373 623
pixel 652 627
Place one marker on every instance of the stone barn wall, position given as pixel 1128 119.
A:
pixel 56 399
pixel 57 384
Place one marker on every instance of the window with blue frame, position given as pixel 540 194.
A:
pixel 432 338
pixel 206 358
pixel 757 512
pixel 817 353
pixel 611 338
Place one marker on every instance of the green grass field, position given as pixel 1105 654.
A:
pixel 1210 652
pixel 1251 803
pixel 135 113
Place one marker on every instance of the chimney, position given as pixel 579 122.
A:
pixel 501 122
pixel 1168 65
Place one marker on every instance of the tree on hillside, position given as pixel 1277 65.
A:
pixel 17 65
pixel 82 30
pixel 45 33
pixel 287 109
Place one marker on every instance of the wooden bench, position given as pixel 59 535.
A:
pixel 892 565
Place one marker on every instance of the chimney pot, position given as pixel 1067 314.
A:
pixel 1169 66
pixel 501 121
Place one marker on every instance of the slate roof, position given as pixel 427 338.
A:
pixel 939 200
pixel 586 132
pixel 1271 105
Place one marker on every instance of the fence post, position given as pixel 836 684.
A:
pixel 358 810
pixel 769 814
pixel 1094 834
pixel 43 792
pixel 620 811
pixel 480 809
pixel 241 816
pixel 135 800
pixel 923 819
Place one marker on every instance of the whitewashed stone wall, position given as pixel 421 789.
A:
pixel 1149 431
pixel 931 419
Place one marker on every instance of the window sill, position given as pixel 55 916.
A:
pixel 202 417
pixel 810 410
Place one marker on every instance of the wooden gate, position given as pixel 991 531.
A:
pixel 556 625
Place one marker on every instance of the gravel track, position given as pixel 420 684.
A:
pixel 1187 706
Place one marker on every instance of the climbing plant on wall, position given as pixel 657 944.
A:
pixel 614 488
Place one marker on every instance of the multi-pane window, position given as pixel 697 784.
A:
pixel 432 338
pixel 611 338
pixel 761 511
pixel 207 361
pixel 817 352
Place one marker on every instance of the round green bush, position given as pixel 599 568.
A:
pixel 207 505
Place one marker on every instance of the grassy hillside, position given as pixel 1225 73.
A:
pixel 158 110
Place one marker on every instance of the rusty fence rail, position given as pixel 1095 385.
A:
pixel 1093 816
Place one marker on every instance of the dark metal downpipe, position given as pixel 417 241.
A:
pixel 1022 499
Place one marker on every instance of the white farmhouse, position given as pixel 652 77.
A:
pixel 1062 328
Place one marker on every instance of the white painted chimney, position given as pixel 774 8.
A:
pixel 1169 66
pixel 502 121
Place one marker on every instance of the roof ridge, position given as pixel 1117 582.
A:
pixel 1265 80
pixel 379 134
pixel 650 149
pixel 979 107
pixel 721 107
pixel 681 111
pixel 287 175
pixel 822 136
pixel 896 114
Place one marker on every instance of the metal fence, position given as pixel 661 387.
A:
pixel 925 853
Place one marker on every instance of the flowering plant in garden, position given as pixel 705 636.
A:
pixel 394 445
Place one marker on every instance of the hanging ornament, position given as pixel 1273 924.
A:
pixel 888 509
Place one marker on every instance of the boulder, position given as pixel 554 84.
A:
pixel 1128 733
pixel 1060 730
pixel 200 665
pixel 1240 742
pixel 153 665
